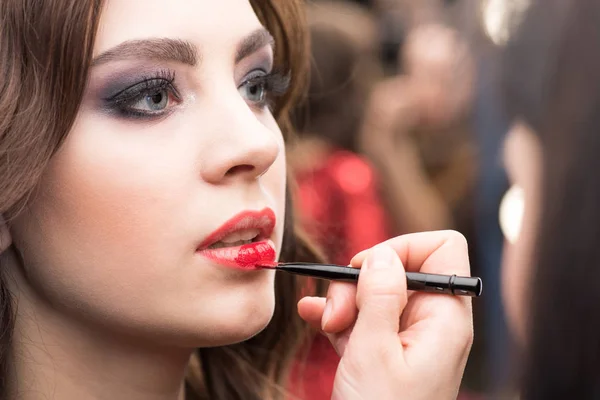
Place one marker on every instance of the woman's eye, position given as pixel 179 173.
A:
pixel 260 87
pixel 152 97
pixel 254 91
pixel 153 102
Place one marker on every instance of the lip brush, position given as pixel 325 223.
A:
pixel 422 282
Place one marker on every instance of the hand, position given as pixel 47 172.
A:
pixel 394 344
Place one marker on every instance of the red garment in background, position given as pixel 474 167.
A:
pixel 341 210
pixel 340 206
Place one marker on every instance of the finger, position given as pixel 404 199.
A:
pixel 439 252
pixel 381 294
pixel 340 311
pixel 311 310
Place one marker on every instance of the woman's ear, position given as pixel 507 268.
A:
pixel 5 238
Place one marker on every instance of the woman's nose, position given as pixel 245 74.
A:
pixel 243 147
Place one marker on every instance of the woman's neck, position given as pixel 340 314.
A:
pixel 54 355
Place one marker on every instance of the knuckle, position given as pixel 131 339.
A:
pixel 465 338
pixel 469 342
pixel 464 344
pixel 462 337
pixel 458 238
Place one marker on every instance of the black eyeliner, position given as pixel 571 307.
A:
pixel 125 94
pixel 126 80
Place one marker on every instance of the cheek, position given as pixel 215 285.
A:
pixel 99 200
pixel 112 220
pixel 274 182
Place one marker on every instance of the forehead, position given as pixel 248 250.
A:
pixel 205 23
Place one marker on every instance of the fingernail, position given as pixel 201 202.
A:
pixel 326 313
pixel 380 256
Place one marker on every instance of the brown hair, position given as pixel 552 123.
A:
pixel 45 52
pixel 552 82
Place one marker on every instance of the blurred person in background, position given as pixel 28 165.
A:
pixel 551 215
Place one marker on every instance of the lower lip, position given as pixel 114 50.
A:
pixel 247 257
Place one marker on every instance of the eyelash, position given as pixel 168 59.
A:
pixel 275 84
pixel 121 102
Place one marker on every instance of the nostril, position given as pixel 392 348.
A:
pixel 239 169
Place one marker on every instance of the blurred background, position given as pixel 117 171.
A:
pixel 402 131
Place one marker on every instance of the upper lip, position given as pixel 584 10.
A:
pixel 262 220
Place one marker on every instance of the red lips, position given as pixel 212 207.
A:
pixel 261 250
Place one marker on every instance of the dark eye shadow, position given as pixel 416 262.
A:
pixel 107 84
pixel 116 91
pixel 119 83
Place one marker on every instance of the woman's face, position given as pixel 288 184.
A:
pixel 519 219
pixel 173 139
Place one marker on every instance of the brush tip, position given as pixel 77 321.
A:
pixel 264 265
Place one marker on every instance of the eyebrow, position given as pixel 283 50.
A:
pixel 254 42
pixel 154 49
pixel 179 50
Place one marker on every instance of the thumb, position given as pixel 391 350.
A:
pixel 381 293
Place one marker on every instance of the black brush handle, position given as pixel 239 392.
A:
pixel 417 281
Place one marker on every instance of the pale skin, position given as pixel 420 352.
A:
pixel 112 296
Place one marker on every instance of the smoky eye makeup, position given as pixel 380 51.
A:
pixel 260 88
pixel 145 95
pixel 261 83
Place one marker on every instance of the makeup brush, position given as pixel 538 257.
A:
pixel 433 283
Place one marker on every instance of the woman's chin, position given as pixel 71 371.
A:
pixel 241 325
pixel 230 320
pixel 216 316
